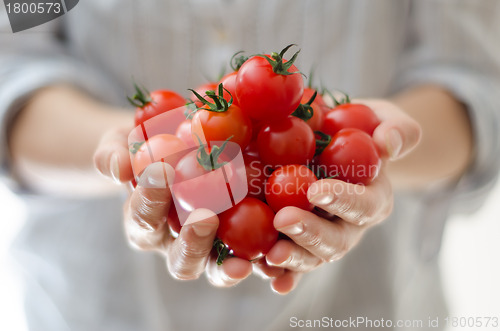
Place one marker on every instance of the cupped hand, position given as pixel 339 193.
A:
pixel 145 217
pixel 347 210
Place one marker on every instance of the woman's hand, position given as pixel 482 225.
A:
pixel 348 209
pixel 145 217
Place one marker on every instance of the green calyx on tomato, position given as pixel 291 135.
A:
pixel 237 60
pixel 322 140
pixel 222 251
pixel 219 104
pixel 134 147
pixel 279 66
pixel 304 111
pixel 190 110
pixel 210 161
pixel 141 97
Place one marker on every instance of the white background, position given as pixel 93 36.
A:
pixel 470 261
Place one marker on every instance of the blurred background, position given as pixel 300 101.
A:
pixel 470 260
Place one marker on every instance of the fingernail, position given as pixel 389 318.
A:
pixel 145 226
pixel 201 229
pixel 154 175
pixel 394 143
pixel 286 262
pixel 293 229
pixel 322 199
pixel 114 168
pixel 225 276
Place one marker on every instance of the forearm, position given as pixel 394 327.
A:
pixel 445 150
pixel 55 135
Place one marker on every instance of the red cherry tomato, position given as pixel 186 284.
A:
pixel 198 187
pixel 252 148
pixel 229 82
pixel 219 126
pixel 256 126
pixel 162 147
pixel 289 141
pixel 202 89
pixel 351 156
pixel 173 221
pixel 318 106
pixel 157 102
pixel 184 133
pixel 266 95
pixel 350 115
pixel 256 176
pixel 308 92
pixel 316 122
pixel 287 186
pixel 247 229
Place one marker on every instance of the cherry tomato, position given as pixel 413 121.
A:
pixel 256 176
pixel 173 221
pixel 252 146
pixel 351 156
pixel 256 126
pixel 350 115
pixel 287 186
pixel 264 94
pixel 308 92
pixel 247 229
pixel 184 133
pixel 154 103
pixel 219 126
pixel 198 187
pixel 318 106
pixel 252 149
pixel 289 141
pixel 202 89
pixel 229 82
pixel 162 147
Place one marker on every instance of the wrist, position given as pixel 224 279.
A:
pixel 55 135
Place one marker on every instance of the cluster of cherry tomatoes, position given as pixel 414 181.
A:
pixel 289 136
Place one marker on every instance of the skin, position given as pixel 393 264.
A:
pixel 315 240
pixel 44 160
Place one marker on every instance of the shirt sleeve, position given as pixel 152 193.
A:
pixel 31 60
pixel 455 43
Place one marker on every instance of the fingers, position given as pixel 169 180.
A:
pixel 287 254
pixel 147 229
pixel 398 133
pixel 329 241
pixel 188 255
pixel 146 214
pixel 232 271
pixel 112 158
pixel 356 204
pixel 286 283
pixel 147 208
pixel 265 270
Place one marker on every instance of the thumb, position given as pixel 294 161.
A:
pixel 398 133
pixel 111 158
